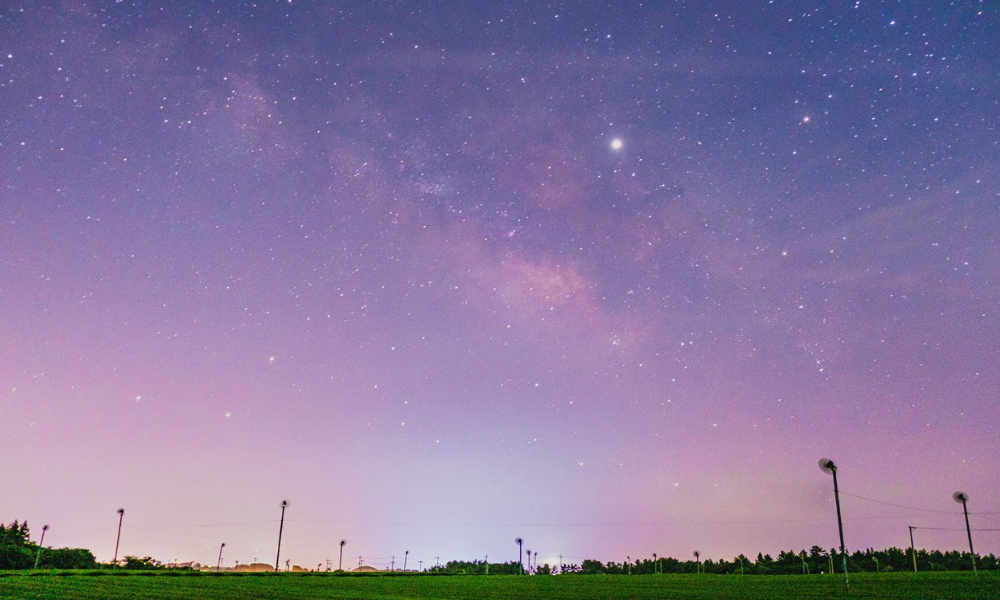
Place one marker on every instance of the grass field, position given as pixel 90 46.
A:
pixel 154 585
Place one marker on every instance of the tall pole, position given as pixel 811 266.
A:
pixel 281 528
pixel 121 515
pixel 520 555
pixel 340 565
pixel 913 551
pixel 840 521
pixel 41 542
pixel 406 555
pixel 964 498
pixel 828 465
pixel 218 567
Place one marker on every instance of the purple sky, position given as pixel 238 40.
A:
pixel 443 274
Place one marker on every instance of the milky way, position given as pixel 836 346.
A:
pixel 443 274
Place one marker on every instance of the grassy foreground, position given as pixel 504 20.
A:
pixel 154 585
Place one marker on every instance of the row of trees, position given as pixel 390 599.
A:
pixel 814 561
pixel 17 551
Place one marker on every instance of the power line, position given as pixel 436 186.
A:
pixel 952 529
pixel 941 512
pixel 926 510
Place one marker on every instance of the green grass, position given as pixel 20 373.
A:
pixel 150 585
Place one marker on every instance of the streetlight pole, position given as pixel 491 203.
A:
pixel 520 555
pixel 340 565
pixel 41 542
pixel 964 498
pixel 913 551
pixel 281 528
pixel 218 567
pixel 406 555
pixel 121 515
pixel 829 466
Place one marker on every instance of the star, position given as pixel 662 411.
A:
pixel 616 144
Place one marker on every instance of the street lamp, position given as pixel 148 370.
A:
pixel 828 466
pixel 964 498
pixel 121 515
pixel 340 565
pixel 41 542
pixel 281 528
pixel 520 555
pixel 218 567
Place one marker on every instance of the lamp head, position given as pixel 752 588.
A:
pixel 960 497
pixel 827 465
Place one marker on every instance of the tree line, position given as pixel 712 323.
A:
pixel 17 551
pixel 816 560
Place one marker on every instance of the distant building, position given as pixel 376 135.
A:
pixel 364 569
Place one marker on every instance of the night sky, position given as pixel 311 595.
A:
pixel 442 274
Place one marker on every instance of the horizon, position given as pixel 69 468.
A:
pixel 611 279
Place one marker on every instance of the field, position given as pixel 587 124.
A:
pixel 154 585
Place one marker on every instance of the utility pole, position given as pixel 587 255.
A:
pixel 41 542
pixel 121 515
pixel 829 466
pixel 913 551
pixel 281 528
pixel 964 498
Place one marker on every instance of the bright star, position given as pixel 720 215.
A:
pixel 616 144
